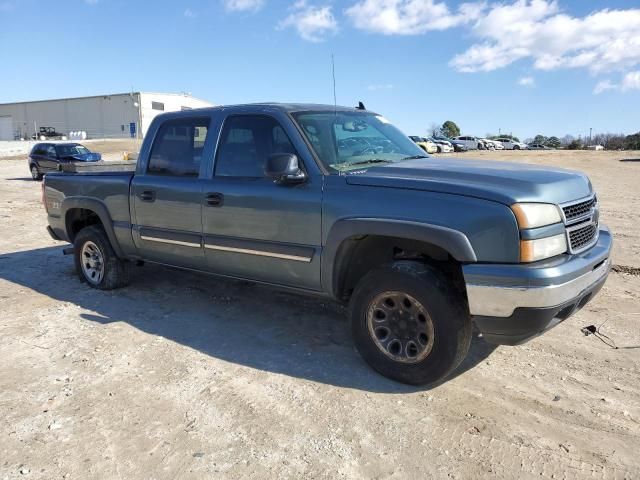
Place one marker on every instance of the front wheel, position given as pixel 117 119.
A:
pixel 96 262
pixel 516 147
pixel 409 323
pixel 35 173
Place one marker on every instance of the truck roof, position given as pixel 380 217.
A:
pixel 286 107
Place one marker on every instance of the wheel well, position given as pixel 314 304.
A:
pixel 78 218
pixel 359 255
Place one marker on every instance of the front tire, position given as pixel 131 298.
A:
pixel 96 262
pixel 35 173
pixel 516 147
pixel 409 323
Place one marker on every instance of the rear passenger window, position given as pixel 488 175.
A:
pixel 177 148
pixel 246 143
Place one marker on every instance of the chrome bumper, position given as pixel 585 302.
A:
pixel 497 291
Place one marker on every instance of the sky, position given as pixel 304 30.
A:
pixel 524 67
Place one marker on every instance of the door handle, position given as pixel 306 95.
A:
pixel 148 196
pixel 215 199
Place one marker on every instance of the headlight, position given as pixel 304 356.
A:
pixel 533 215
pixel 541 248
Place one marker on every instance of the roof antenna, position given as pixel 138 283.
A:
pixel 333 73
pixel 361 106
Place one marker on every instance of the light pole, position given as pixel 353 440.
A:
pixel 590 129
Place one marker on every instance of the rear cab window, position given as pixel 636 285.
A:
pixel 178 146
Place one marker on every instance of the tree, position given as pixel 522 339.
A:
pixel 540 139
pixel 575 144
pixel 553 142
pixel 567 139
pixel 450 129
pixel 435 130
pixel 632 142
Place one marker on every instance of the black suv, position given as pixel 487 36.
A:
pixel 46 157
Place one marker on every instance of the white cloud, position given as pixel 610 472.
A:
pixel 312 23
pixel 536 29
pixel 410 17
pixel 631 81
pixel 603 86
pixel 527 82
pixel 190 13
pixel 382 86
pixel 243 5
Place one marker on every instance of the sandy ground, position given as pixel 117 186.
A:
pixel 187 376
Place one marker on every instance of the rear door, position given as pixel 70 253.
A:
pixel 49 161
pixel 254 228
pixel 167 195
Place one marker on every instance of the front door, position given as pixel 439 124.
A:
pixel 254 228
pixel 167 198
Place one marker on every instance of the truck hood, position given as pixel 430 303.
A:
pixel 502 182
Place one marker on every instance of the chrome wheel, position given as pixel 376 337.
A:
pixel 92 262
pixel 34 172
pixel 400 327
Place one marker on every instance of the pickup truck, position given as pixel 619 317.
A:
pixel 339 203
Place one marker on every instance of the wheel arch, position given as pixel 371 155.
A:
pixel 80 212
pixel 354 246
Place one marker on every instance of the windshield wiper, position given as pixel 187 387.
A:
pixel 373 160
pixel 414 157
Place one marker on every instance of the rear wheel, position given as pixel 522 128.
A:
pixel 96 262
pixel 409 323
pixel 516 147
pixel 439 149
pixel 35 173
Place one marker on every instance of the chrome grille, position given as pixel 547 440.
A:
pixel 582 237
pixel 577 211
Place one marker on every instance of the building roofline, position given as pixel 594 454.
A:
pixel 104 95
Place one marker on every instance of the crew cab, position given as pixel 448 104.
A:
pixel 339 203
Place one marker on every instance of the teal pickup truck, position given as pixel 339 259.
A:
pixel 338 202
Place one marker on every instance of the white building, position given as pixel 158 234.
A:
pixel 101 116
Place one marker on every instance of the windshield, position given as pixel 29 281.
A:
pixel 347 141
pixel 70 150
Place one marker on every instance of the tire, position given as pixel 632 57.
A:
pixel 35 173
pixel 108 270
pixel 447 325
pixel 516 147
pixel 480 146
pixel 439 150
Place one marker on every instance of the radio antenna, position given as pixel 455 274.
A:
pixel 333 73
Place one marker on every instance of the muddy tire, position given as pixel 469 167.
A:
pixel 96 262
pixel 409 323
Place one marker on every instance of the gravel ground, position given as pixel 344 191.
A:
pixel 187 376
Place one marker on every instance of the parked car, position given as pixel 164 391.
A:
pixel 457 145
pixel 488 144
pixel 48 133
pixel 538 146
pixel 444 146
pixel 510 144
pixel 595 147
pixel 472 143
pixel 418 248
pixel 47 157
pixel 425 144
pixel 496 144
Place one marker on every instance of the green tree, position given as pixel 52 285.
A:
pixel 575 145
pixel 553 142
pixel 632 142
pixel 540 139
pixel 450 129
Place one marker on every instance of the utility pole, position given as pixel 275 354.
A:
pixel 590 129
pixel 499 131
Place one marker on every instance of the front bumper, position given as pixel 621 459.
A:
pixel 512 303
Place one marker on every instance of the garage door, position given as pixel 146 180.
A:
pixel 6 128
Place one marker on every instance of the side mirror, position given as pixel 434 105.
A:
pixel 284 168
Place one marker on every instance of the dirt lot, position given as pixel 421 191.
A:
pixel 187 376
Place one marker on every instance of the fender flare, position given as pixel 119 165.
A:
pixel 100 209
pixel 452 241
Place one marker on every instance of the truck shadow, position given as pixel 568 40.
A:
pixel 239 322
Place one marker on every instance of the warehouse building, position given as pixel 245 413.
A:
pixel 103 116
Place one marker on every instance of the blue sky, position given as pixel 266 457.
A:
pixel 522 66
